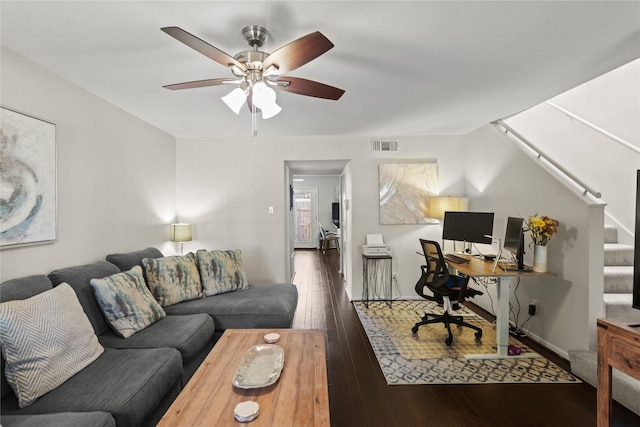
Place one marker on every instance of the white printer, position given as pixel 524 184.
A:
pixel 375 246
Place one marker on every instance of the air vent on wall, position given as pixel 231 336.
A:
pixel 384 145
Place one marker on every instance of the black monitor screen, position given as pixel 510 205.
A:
pixel 636 262
pixel 335 214
pixel 513 235
pixel 468 226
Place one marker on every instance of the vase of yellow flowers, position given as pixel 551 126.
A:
pixel 541 229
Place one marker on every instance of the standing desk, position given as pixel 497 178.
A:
pixel 480 268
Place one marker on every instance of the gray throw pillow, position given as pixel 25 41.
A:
pixel 173 279
pixel 221 271
pixel 126 303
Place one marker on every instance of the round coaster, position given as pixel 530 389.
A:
pixel 272 338
pixel 246 411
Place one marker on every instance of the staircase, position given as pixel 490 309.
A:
pixel 618 288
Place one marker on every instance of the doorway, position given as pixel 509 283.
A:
pixel 305 217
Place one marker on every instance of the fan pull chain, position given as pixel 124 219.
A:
pixel 254 122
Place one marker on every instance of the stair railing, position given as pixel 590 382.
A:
pixel 594 127
pixel 540 155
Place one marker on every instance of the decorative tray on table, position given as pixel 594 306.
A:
pixel 260 366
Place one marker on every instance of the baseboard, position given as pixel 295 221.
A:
pixel 546 344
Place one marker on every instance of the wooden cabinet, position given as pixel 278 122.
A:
pixel 618 347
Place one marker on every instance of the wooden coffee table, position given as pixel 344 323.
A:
pixel 299 397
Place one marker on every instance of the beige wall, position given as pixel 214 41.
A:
pixel 116 173
pixel 121 181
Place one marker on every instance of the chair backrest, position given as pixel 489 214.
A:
pixel 323 232
pixel 435 274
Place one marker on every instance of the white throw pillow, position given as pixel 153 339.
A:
pixel 46 339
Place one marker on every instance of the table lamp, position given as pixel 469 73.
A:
pixel 439 205
pixel 181 233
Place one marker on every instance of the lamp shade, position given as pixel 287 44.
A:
pixel 439 205
pixel 235 99
pixel 265 98
pixel 180 232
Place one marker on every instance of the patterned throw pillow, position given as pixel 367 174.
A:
pixel 173 279
pixel 46 339
pixel 126 303
pixel 221 271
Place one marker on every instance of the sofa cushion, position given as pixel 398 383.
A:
pixel 221 271
pixel 126 302
pixel 79 278
pixel 24 287
pixel 46 339
pixel 128 383
pixel 187 334
pixel 20 288
pixel 126 261
pixel 173 279
pixel 270 305
pixel 62 419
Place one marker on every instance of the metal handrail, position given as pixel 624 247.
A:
pixel 594 127
pixel 541 155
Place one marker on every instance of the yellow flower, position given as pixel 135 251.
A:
pixel 542 228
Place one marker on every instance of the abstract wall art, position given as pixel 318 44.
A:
pixel 28 180
pixel 405 190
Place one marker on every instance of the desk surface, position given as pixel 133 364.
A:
pixel 480 268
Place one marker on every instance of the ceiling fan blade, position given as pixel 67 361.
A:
pixel 309 88
pixel 298 52
pixel 203 47
pixel 199 83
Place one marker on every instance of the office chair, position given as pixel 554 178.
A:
pixel 326 237
pixel 448 290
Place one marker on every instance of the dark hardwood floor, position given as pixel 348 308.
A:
pixel 359 395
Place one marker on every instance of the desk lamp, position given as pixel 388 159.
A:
pixel 441 204
pixel 181 233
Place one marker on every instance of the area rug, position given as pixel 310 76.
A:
pixel 426 359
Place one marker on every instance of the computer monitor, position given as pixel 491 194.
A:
pixel 636 256
pixel 335 214
pixel 471 227
pixel 514 239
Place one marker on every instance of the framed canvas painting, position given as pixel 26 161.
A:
pixel 405 191
pixel 28 180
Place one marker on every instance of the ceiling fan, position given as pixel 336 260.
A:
pixel 256 73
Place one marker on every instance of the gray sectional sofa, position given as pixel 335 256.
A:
pixel 135 379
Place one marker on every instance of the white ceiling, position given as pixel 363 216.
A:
pixel 408 68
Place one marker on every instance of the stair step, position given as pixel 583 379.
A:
pixel 618 307
pixel 584 364
pixel 618 279
pixel 610 234
pixel 618 254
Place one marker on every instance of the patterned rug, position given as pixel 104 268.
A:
pixel 426 359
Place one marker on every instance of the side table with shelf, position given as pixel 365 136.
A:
pixel 377 272
pixel 618 347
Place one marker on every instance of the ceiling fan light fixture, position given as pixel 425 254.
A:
pixel 270 110
pixel 264 98
pixel 258 72
pixel 235 99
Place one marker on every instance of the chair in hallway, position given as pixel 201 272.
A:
pixel 448 290
pixel 326 237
